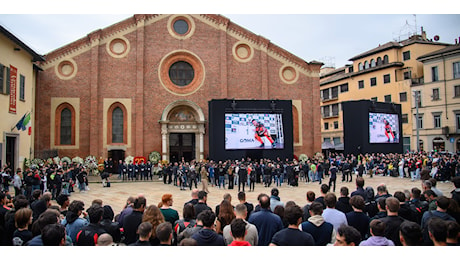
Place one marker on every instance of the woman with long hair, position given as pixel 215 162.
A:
pixel 153 215
pixel 225 217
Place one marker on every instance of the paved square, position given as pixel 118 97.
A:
pixel 116 195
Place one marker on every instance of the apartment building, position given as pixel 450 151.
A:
pixel 386 73
pixel 18 74
pixel 438 107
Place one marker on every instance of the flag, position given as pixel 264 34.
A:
pixel 27 124
pixel 20 122
pixel 24 122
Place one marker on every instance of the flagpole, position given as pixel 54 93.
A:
pixel 23 117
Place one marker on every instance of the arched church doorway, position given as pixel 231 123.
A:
pixel 182 129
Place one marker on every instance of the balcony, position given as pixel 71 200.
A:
pixel 417 81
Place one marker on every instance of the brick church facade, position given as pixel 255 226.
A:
pixel 143 85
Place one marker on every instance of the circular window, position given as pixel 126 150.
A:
pixel 288 74
pixel 118 47
pixel 66 69
pixel 242 52
pixel 181 73
pixel 180 26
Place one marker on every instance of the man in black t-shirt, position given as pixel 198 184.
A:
pixel 292 236
pixel 201 205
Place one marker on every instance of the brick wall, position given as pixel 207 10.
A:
pixel 135 76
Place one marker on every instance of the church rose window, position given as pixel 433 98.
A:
pixel 181 26
pixel 181 73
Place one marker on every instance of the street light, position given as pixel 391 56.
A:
pixel 416 95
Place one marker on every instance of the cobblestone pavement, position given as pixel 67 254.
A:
pixel 116 195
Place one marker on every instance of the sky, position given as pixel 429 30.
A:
pixel 325 34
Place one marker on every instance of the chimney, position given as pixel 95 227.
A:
pixel 423 34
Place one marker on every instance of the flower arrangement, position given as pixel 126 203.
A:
pixel 303 157
pixel 66 160
pixel 77 160
pixel 129 158
pixel 36 162
pixel 319 156
pixel 49 161
pixel 154 157
pixel 56 160
pixel 91 164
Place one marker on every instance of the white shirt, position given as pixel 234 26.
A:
pixel 335 217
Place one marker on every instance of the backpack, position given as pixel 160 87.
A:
pixel 184 226
pixel 87 236
pixel 418 208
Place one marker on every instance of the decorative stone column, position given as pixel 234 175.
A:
pixel 164 142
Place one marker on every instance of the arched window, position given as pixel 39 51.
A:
pixel 379 61
pixel 366 65
pixel 372 63
pixel 360 66
pixel 65 125
pixel 385 59
pixel 117 124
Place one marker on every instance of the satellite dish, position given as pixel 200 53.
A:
pixel 436 38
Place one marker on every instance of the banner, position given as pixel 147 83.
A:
pixel 13 84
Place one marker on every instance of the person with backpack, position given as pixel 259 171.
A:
pixel 72 222
pixel 89 234
pixel 188 220
pixel 416 205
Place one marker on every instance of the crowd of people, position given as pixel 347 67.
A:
pixel 246 172
pixel 421 215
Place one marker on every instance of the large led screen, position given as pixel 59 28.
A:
pixel 253 131
pixel 383 128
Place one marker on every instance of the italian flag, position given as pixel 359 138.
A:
pixel 27 124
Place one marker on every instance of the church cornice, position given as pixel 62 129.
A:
pixel 221 22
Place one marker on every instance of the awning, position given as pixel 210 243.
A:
pixel 327 145
pixel 339 147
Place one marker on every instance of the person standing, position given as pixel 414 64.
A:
pixel 72 222
pixel 323 232
pixel 252 177
pixel 333 176
pixel 207 236
pixel 332 215
pixel 242 176
pixel 266 222
pixel 148 171
pixel 191 177
pixel 251 236
pixel 17 182
pixel 204 179
pixel 145 232
pixel 292 236
pixel 132 221
pixel 357 218
pixel 170 215
pixel 231 176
